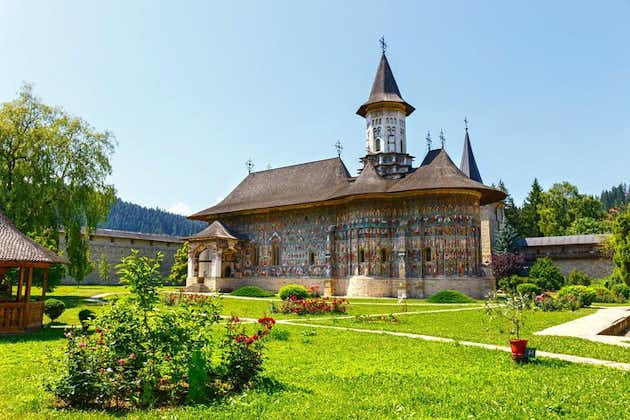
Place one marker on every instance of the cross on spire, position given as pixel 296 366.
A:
pixel 466 123
pixel 383 44
pixel 442 137
pixel 429 141
pixel 249 164
pixel 338 148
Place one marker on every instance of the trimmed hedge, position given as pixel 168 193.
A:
pixel 450 296
pixel 528 289
pixel 297 290
pixel 252 291
pixel 53 308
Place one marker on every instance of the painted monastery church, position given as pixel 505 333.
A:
pixel 394 230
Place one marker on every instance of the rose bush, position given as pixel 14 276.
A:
pixel 313 306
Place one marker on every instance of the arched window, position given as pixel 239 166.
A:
pixel 311 258
pixel 361 255
pixel 384 256
pixel 377 145
pixel 427 254
pixel 275 253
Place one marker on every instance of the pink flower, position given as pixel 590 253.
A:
pixel 82 344
pixel 122 362
pixel 132 356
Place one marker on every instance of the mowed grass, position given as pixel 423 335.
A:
pixel 335 374
pixel 475 326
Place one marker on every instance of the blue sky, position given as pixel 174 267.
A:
pixel 193 89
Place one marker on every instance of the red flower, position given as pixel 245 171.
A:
pixel 82 344
pixel 235 319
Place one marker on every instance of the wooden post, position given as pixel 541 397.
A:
pixel 27 293
pixel 18 296
pixel 44 283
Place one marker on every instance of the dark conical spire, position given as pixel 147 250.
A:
pixel 384 89
pixel 469 165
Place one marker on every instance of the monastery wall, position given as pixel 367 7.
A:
pixel 115 245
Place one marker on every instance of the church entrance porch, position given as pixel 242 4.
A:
pixel 214 253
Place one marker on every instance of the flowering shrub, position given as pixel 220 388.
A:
pixel 313 306
pixel 547 303
pixel 142 354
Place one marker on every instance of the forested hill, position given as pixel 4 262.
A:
pixel 136 218
pixel 618 196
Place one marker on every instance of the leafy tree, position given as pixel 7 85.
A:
pixel 53 171
pixel 562 205
pixel 179 270
pixel 587 225
pixel 104 269
pixel 546 274
pixel 529 212
pixel 620 243
pixel 506 240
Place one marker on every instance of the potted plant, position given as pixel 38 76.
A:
pixel 513 310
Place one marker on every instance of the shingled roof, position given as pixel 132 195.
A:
pixel 216 230
pixel 329 179
pixel 469 164
pixel 17 249
pixel 384 89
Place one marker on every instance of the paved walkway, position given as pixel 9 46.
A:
pixel 590 326
pixel 558 356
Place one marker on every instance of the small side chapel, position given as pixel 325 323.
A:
pixel 393 230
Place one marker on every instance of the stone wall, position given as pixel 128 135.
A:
pixel 594 267
pixel 115 245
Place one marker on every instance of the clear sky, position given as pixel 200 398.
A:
pixel 193 89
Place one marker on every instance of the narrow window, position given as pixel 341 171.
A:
pixel 427 254
pixel 254 255
pixel 377 145
pixel 384 255
pixel 311 258
pixel 361 255
pixel 275 254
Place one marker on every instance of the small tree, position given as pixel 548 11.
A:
pixel 179 270
pixel 506 240
pixel 142 274
pixel 513 310
pixel 104 269
pixel 546 274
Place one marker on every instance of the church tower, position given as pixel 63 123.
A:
pixel 385 112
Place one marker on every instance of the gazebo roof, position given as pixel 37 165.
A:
pixel 16 249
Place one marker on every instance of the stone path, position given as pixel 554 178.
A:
pixel 590 326
pixel 558 356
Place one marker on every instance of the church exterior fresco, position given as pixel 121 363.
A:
pixel 433 235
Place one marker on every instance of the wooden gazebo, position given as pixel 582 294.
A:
pixel 17 312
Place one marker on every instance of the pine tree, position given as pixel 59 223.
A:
pixel 529 212
pixel 511 210
pixel 506 240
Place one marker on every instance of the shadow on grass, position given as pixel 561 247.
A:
pixel 43 334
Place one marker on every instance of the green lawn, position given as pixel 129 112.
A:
pixel 340 374
pixel 473 326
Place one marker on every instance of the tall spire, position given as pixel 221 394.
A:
pixel 384 88
pixel 469 165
